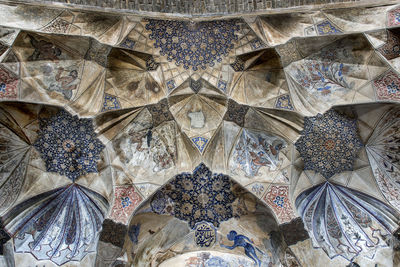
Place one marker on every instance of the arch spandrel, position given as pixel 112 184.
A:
pixel 203 210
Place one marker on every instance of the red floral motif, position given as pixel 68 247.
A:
pixel 8 85
pixel 277 197
pixel 388 86
pixel 126 201
pixel 394 17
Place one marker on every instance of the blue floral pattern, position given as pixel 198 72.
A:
pixel 125 202
pixel 61 225
pixel 346 222
pixel 326 27
pixel 284 102
pixel 191 44
pixel 329 143
pixel 280 201
pixel 110 103
pixel 324 74
pixel 197 197
pixel 200 143
pixel 68 145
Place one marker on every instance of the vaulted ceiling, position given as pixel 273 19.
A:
pixel 259 140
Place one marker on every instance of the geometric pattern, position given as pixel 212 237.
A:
pixel 388 86
pixel 68 145
pixel 193 44
pixel 126 199
pixel 329 143
pixel 277 197
pixel 201 196
pixel 59 225
pixel 346 222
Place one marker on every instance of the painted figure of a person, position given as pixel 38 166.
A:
pixel 65 83
pixel 246 243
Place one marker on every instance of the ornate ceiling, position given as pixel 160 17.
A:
pixel 259 140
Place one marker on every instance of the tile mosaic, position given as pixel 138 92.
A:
pixel 288 52
pixel 98 52
pixel 236 113
pixel 284 102
pixel 160 112
pixel 57 26
pixel 173 86
pixel 127 43
pixel 195 85
pixel 238 64
pixel 222 85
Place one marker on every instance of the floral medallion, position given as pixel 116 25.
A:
pixel 329 143
pixel 68 145
pixel 201 196
pixel 191 44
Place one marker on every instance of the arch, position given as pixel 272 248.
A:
pixel 201 210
